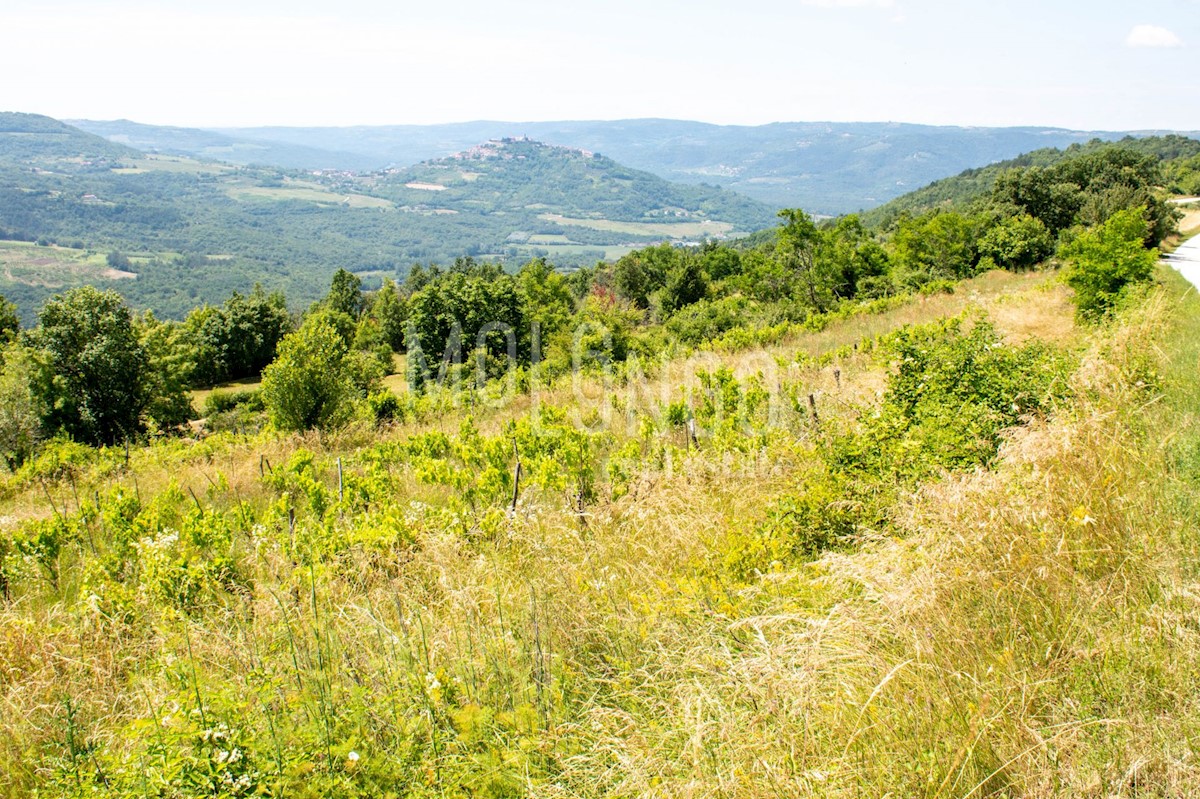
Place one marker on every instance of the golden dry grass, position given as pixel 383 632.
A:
pixel 1022 631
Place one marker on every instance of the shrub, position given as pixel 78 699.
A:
pixel 310 384
pixel 1016 243
pixel 951 395
pixel 1106 260
pixel 384 406
pixel 225 401
pixel 798 526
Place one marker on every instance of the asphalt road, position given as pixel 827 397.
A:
pixel 1186 259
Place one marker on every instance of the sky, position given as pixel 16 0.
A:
pixel 1095 65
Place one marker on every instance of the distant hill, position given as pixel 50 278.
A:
pixel 1179 155
pixel 194 231
pixel 823 167
pixel 526 178
pixel 207 144
pixel 37 140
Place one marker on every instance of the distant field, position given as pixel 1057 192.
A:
pixel 306 192
pixel 611 252
pixel 671 230
pixel 201 394
pixel 54 267
pixel 170 163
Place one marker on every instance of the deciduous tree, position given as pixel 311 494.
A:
pixel 309 384
pixel 1108 259
pixel 97 392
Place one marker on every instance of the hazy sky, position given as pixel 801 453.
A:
pixel 1091 64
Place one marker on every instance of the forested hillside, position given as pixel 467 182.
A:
pixel 823 167
pixel 1178 155
pixel 184 232
pixel 475 319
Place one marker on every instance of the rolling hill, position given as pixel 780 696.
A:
pixel 232 149
pixel 823 167
pixel 36 141
pixel 197 230
pixel 1178 157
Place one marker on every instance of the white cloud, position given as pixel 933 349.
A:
pixel 1151 36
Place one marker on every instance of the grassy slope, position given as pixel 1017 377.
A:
pixel 1031 633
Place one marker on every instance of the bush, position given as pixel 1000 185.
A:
pixel 799 526
pixel 384 407
pixel 1017 243
pixel 310 384
pixel 1106 261
pixel 952 394
pixel 225 401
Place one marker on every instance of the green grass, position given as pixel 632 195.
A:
pixel 310 193
pixel 199 395
pixel 54 267
pixel 397 382
pixel 366 613
pixel 670 230
pixel 170 163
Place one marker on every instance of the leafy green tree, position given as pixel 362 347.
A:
pixel 1161 217
pixel 1017 242
pixel 206 331
pixel 390 312
pixel 255 324
pixel 97 392
pixel 237 339
pixel 10 320
pixel 345 294
pixel 720 261
pixel 581 280
pixel 310 384
pixel 686 284
pixel 642 272
pixel 546 297
pixel 1107 260
pixel 20 406
pixel 169 365
pixel 850 255
pixel 372 351
pixel 935 246
pixel 1088 189
pixel 342 322
pixel 1045 194
pixel 763 277
pixel 604 333
pixel 420 276
pixel 457 313
pixel 1109 166
pixel 796 248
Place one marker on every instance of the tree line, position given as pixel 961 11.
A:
pixel 93 371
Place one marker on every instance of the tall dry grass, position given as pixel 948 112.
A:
pixel 1024 631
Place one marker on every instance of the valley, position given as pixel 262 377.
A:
pixel 827 168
